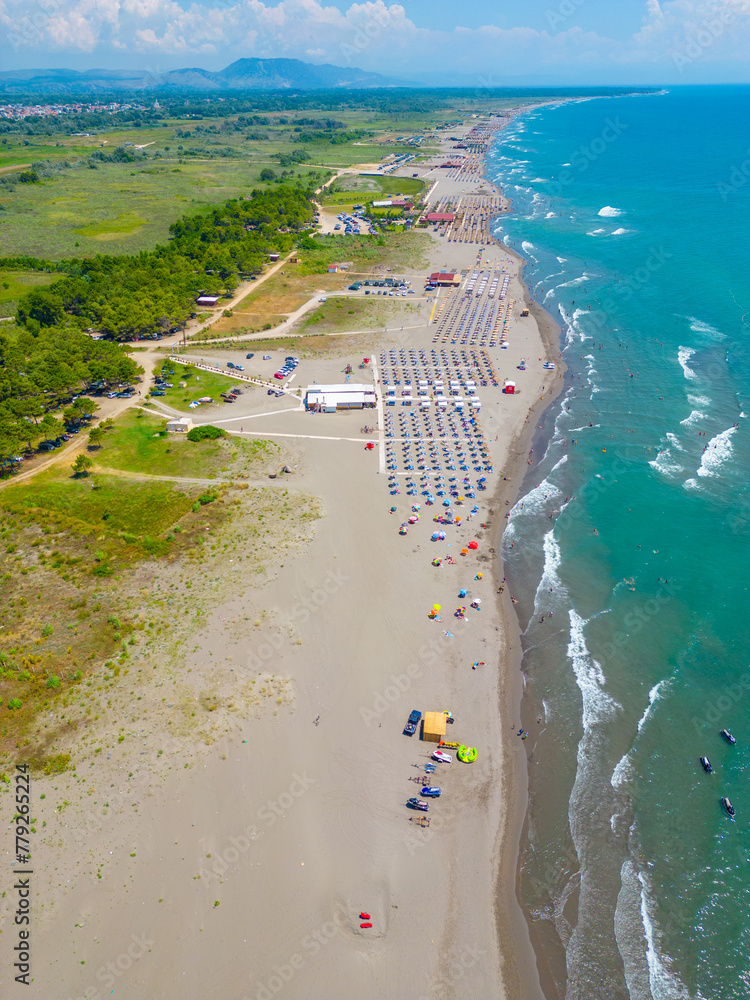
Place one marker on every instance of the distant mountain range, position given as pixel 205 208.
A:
pixel 244 74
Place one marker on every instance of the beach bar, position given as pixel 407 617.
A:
pixel 435 724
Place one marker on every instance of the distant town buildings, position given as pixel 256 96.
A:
pixel 18 112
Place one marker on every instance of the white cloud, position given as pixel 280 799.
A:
pixel 373 34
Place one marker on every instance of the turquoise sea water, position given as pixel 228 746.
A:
pixel 634 215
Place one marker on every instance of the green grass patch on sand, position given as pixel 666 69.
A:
pixel 106 503
pixel 337 315
pixel 15 284
pixel 139 443
pixel 352 190
pixel 370 254
pixel 198 384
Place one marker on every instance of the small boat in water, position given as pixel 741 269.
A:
pixel 728 807
pixel 706 765
pixel 727 736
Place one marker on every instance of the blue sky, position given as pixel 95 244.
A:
pixel 479 43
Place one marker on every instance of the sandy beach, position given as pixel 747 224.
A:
pixel 238 864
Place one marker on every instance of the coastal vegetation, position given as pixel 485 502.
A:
pixel 41 370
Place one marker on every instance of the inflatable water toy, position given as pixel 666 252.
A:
pixel 467 755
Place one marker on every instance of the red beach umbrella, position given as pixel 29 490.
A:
pixel 473 545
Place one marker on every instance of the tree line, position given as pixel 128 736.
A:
pixel 153 292
pixel 41 371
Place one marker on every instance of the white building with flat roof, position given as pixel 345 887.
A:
pixel 345 396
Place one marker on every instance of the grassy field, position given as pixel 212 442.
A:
pixel 273 301
pixel 139 443
pixel 370 255
pixel 336 316
pixel 14 284
pixel 353 190
pixel 128 207
pixel 199 383
pixel 118 208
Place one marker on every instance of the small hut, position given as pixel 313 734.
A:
pixel 434 727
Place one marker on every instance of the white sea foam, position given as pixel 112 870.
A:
pixel 527 247
pixel 550 577
pixel 695 417
pixel 596 232
pixel 609 212
pixel 699 400
pixel 718 451
pixel 537 500
pixel 550 215
pixel 698 326
pixel 664 984
pixel 665 463
pixel 624 772
pixel 598 706
pixel 620 232
pixel 657 693
pixel 674 441
pixel 684 354
pixel 562 259
pixel 629 933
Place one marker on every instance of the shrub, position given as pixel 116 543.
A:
pixel 53 681
pixel 206 433
pixel 14 704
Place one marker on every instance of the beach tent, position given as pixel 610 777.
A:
pixel 509 388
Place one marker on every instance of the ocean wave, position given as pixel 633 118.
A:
pixel 698 326
pixel 527 247
pixel 655 694
pixel 536 501
pixel 609 212
pixel 550 215
pixel 665 464
pixel 674 441
pixel 598 706
pixel 698 400
pixel 663 983
pixel 695 417
pixel 596 232
pixel 718 451
pixel 624 772
pixel 620 232
pixel 683 356
pixel 550 580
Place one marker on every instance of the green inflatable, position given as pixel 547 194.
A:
pixel 467 754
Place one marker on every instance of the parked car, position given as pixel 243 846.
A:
pixel 442 757
pixel 158 392
pixel 250 355
pixel 415 803
pixel 279 393
pixel 230 364
pixel 412 722
pixel 281 375
pixel 239 368
pixel 431 793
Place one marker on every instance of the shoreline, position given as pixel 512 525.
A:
pixel 517 702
